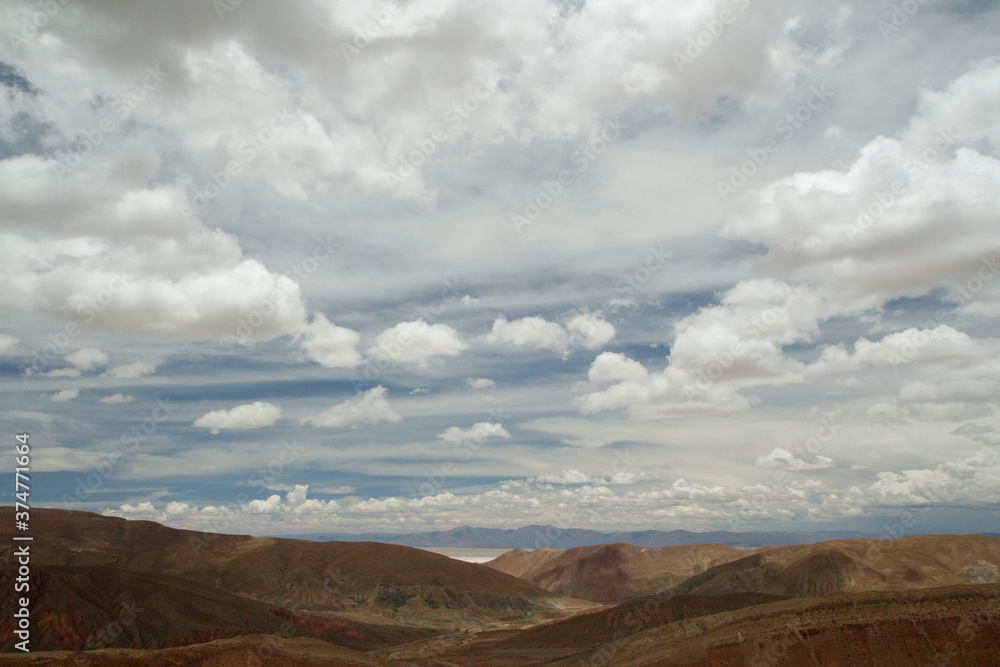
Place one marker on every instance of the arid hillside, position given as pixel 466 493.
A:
pixel 942 626
pixel 106 591
pixel 79 557
pixel 613 572
pixel 846 566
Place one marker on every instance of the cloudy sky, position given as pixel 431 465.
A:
pixel 402 266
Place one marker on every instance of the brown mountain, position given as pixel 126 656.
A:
pixel 520 562
pixel 365 584
pixel 555 640
pixel 957 625
pixel 260 650
pixel 612 572
pixel 92 607
pixel 844 566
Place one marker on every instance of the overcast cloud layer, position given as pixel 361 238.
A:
pixel 328 266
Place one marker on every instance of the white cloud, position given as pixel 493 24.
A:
pixel 65 395
pixel 117 399
pixel 370 407
pixel 970 482
pixel 783 459
pixel 590 331
pixel 716 352
pixel 570 476
pixel 615 367
pixel 477 433
pixel 330 345
pixel 872 233
pixel 87 359
pixel 417 343
pixel 130 371
pixel 585 331
pixel 480 383
pixel 241 418
pixel 536 332
pixel 8 344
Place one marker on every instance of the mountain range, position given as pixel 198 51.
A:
pixel 553 537
pixel 106 591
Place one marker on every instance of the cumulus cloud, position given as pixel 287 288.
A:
pixel 369 407
pixel 65 395
pixel 87 359
pixel 130 371
pixel 480 383
pixel 241 418
pixel 117 399
pixel 569 476
pixel 330 345
pixel 716 352
pixel 477 433
pixel 416 342
pixel 846 228
pixel 585 331
pixel 615 367
pixel 120 258
pixel 969 482
pixel 783 459
pixel 536 332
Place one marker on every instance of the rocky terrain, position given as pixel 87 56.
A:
pixel 106 591
pixel 613 572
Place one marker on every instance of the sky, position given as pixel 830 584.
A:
pixel 302 267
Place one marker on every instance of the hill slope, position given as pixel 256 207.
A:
pixel 91 607
pixel 940 626
pixel 365 581
pixel 844 566
pixel 613 572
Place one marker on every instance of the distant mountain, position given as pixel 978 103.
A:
pixel 551 537
pixel 847 566
pixel 613 572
